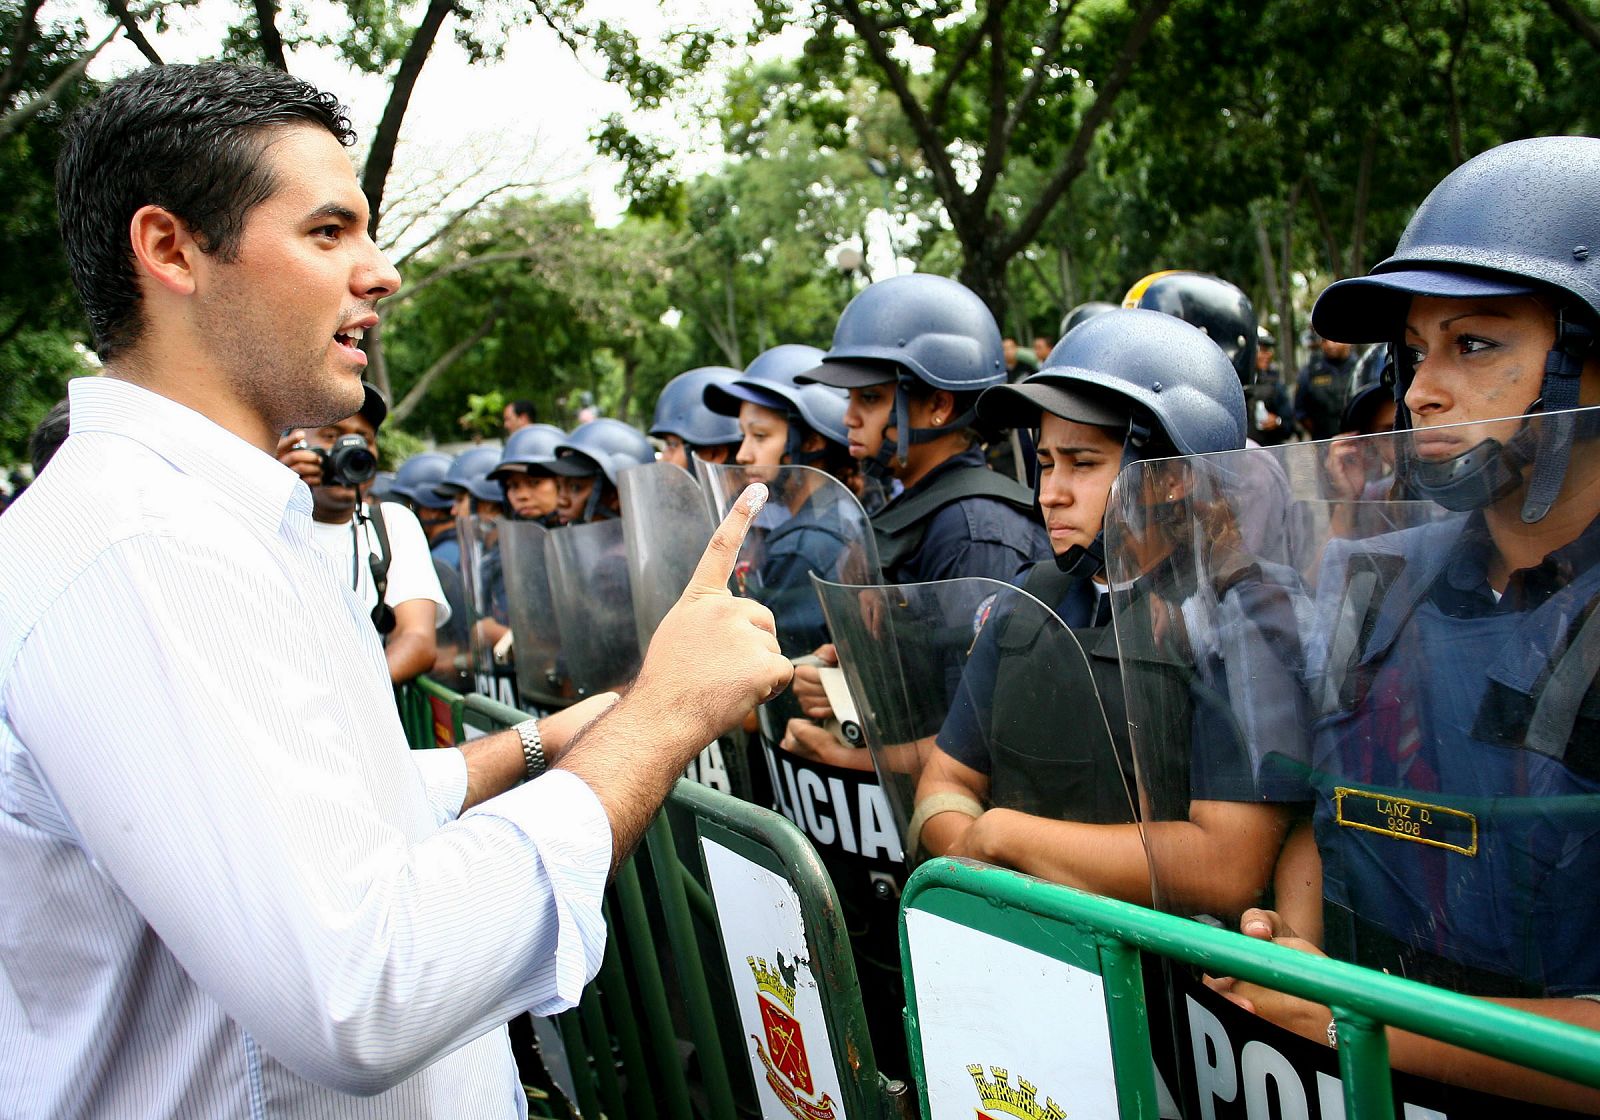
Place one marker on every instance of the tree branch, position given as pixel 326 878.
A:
pixel 994 145
pixel 409 402
pixel 1579 21
pixel 22 39
pixel 449 270
pixel 1076 157
pixel 130 25
pixel 932 144
pixel 939 104
pixel 456 219
pixel 381 158
pixel 1049 49
pixel 22 114
pixel 271 41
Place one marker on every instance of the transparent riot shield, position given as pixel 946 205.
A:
pixel 971 694
pixel 542 678
pixel 593 603
pixel 812 524
pixel 1392 743
pixel 489 621
pixel 666 526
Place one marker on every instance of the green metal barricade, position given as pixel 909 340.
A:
pixel 1075 959
pixel 681 1021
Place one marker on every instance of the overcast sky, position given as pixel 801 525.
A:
pixel 528 116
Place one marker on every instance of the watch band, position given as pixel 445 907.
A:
pixel 532 747
pixel 1333 1033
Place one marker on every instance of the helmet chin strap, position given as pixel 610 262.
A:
pixel 1490 470
pixel 906 435
pixel 591 508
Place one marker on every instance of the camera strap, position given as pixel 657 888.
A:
pixel 382 613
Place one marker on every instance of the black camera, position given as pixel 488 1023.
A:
pixel 348 462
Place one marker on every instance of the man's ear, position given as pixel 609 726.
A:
pixel 164 249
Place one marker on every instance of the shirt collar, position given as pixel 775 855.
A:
pixel 971 457
pixel 256 484
pixel 1466 576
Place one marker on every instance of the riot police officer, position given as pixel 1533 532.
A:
pixel 1454 773
pixel 588 463
pixel 414 484
pixel 523 470
pixel 1126 386
pixel 686 427
pixel 786 423
pixel 914 352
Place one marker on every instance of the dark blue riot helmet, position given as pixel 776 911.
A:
pixel 1217 307
pixel 528 450
pixel 680 409
pixel 908 329
pixel 1083 313
pixel 1164 384
pixel 770 381
pixel 601 449
pixel 1520 219
pixel 470 474
pixel 417 476
pixel 1372 385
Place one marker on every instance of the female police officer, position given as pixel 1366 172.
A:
pixel 1456 761
pixel 1125 386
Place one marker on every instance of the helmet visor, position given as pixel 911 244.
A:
pixel 1020 405
pixel 849 375
pixel 1372 308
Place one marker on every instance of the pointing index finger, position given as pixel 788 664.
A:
pixel 711 575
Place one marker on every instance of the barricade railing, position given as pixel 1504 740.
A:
pixel 663 992
pixel 1104 938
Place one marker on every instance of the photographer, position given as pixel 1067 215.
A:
pixel 379 548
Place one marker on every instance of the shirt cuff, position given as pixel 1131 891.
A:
pixel 444 777
pixel 566 823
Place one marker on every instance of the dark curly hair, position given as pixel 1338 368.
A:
pixel 186 138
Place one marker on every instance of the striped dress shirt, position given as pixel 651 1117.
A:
pixel 226 887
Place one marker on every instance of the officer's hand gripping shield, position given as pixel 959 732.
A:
pixel 1390 743
pixel 973 695
pixel 593 602
pixel 542 678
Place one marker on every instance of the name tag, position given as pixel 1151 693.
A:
pixel 1438 826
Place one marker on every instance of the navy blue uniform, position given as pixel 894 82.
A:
pixel 812 539
pixel 1457 761
pixel 1216 689
pixel 977 536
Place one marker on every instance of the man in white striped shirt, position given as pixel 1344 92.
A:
pixel 226 887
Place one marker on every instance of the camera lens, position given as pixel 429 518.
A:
pixel 348 462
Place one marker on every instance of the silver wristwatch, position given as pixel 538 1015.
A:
pixel 532 747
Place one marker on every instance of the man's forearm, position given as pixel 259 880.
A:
pixel 496 763
pixel 632 757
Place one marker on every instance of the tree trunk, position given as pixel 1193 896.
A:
pixel 130 27
pixel 1288 343
pixel 381 156
pixel 377 365
pixel 267 30
pixel 1269 266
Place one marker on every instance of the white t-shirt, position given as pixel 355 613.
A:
pixel 411 574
